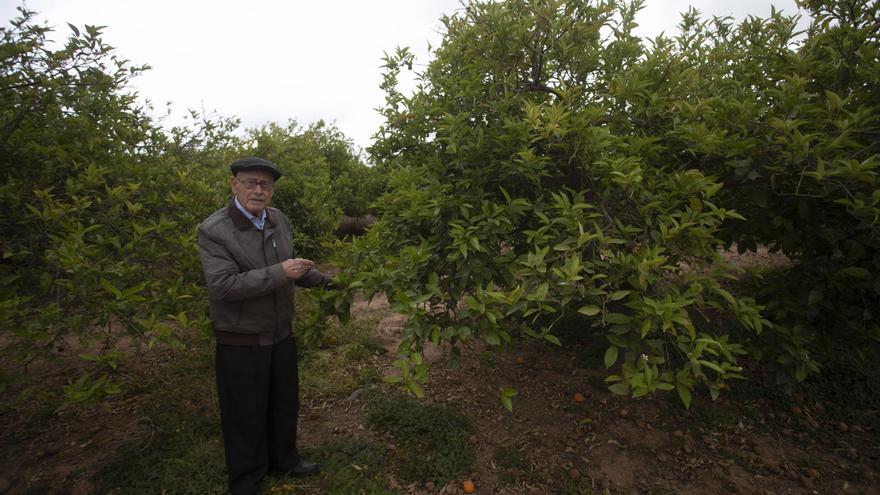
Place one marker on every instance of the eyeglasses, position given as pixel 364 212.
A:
pixel 251 184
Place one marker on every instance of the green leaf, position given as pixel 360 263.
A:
pixel 472 302
pixel 541 292
pixel 492 338
pixel 611 356
pixel 727 295
pixel 506 395
pixel 620 294
pixel 89 357
pixel 589 310
pixel 815 296
pixel 857 271
pixel 833 101
pixel 619 389
pixel 684 394
pixel 552 339
pixel 415 388
pixel 710 364
pixel 107 286
pixel 475 243
pixel 617 318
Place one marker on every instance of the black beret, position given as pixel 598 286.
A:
pixel 253 163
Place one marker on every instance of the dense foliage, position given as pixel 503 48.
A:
pixel 99 253
pixel 325 179
pixel 553 169
pixel 788 122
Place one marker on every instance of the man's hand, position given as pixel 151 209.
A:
pixel 297 268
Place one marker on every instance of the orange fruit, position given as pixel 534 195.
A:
pixel 468 486
pixel 520 360
pixel 579 397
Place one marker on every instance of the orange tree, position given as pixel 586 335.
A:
pixel 101 207
pixel 788 121
pixel 98 239
pixel 326 179
pixel 552 167
pixel 516 204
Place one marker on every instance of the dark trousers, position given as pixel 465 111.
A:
pixel 258 388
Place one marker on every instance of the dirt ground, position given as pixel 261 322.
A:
pixel 619 445
pixel 48 451
pixel 552 442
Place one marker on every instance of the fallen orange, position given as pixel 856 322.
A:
pixel 579 397
pixel 468 486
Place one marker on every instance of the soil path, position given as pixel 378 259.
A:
pixel 551 443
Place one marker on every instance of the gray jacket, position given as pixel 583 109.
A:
pixel 250 298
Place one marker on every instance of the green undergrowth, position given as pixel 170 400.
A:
pixel 342 361
pixel 354 467
pixel 514 465
pixel 509 457
pixel 432 441
pixel 183 457
pixel 182 452
pixel 845 390
pixel 848 387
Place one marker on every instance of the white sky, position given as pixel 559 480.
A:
pixel 273 60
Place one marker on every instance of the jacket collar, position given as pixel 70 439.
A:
pixel 241 221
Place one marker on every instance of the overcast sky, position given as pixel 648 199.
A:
pixel 274 60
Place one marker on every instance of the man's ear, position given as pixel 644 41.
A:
pixel 232 183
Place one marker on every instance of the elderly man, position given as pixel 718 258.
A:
pixel 247 256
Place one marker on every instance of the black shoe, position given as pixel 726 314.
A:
pixel 301 470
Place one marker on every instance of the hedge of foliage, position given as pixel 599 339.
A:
pixel 553 168
pixel 101 204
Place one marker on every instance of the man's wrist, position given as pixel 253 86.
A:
pixel 277 272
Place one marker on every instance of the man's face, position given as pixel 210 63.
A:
pixel 253 188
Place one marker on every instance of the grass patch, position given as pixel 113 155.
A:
pixel 509 457
pixel 432 441
pixel 177 460
pixel 514 465
pixel 342 363
pixel 184 452
pixel 346 468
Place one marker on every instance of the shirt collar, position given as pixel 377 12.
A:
pixel 259 222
